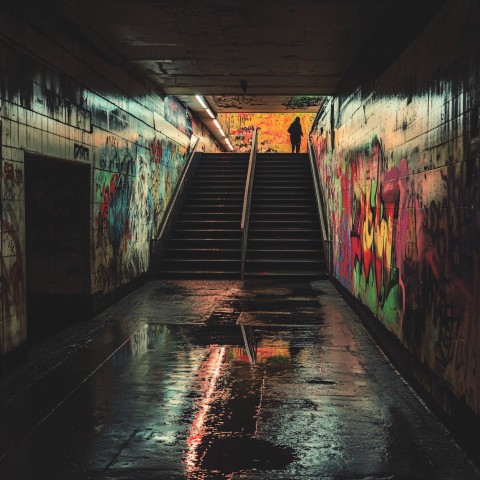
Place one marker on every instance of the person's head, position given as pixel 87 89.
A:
pixel 297 120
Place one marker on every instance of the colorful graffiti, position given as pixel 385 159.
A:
pixel 135 168
pixel 404 217
pixel 274 137
pixel 133 187
pixel 177 115
pixel 369 211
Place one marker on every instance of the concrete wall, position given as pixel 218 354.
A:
pixel 63 99
pixel 400 168
pixel 274 137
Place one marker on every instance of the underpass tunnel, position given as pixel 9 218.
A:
pixel 156 222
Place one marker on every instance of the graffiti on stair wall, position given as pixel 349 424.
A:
pixel 404 214
pixel 177 115
pixel 274 137
pixel 131 197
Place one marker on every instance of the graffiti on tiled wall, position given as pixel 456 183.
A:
pixel 403 206
pixel 12 261
pixel 131 196
pixel 177 115
pixel 274 137
pixel 135 168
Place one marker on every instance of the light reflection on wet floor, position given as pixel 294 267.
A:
pixel 250 400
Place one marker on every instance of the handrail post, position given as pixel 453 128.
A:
pixel 247 199
pixel 327 243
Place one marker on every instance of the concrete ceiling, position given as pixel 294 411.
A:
pixel 251 55
pixel 278 47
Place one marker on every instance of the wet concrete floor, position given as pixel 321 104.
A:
pixel 212 380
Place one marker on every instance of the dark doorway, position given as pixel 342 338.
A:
pixel 57 252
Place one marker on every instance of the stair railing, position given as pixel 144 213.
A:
pixel 321 207
pixel 157 245
pixel 247 198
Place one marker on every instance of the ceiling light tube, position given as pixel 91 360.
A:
pixel 210 114
pixel 215 121
pixel 201 101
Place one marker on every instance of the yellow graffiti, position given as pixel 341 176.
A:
pixel 367 238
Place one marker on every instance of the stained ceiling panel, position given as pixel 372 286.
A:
pixel 279 47
pixel 207 47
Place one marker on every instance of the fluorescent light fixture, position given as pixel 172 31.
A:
pixel 201 101
pixel 215 121
pixel 210 114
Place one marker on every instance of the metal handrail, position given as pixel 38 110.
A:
pixel 177 192
pixel 327 242
pixel 247 198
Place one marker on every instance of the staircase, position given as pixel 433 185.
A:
pixel 206 239
pixel 284 238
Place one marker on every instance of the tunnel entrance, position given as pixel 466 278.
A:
pixel 57 244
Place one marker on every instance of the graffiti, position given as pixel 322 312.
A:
pixel 107 277
pixel 12 275
pixel 12 178
pixel 117 120
pixel 113 215
pixel 368 228
pixel 239 102
pixel 177 115
pixel 305 102
pixel 116 157
pixel 404 227
pixel 272 103
pixel 264 147
pixel 273 130
pixel 156 151
pixel 81 152
pixel 141 203
pixel 131 207
pixel 134 174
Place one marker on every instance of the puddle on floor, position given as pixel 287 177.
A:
pixel 234 454
pixel 222 400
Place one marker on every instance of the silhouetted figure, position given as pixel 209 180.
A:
pixel 296 134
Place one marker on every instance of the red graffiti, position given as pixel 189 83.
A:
pixel 12 178
pixel 156 151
